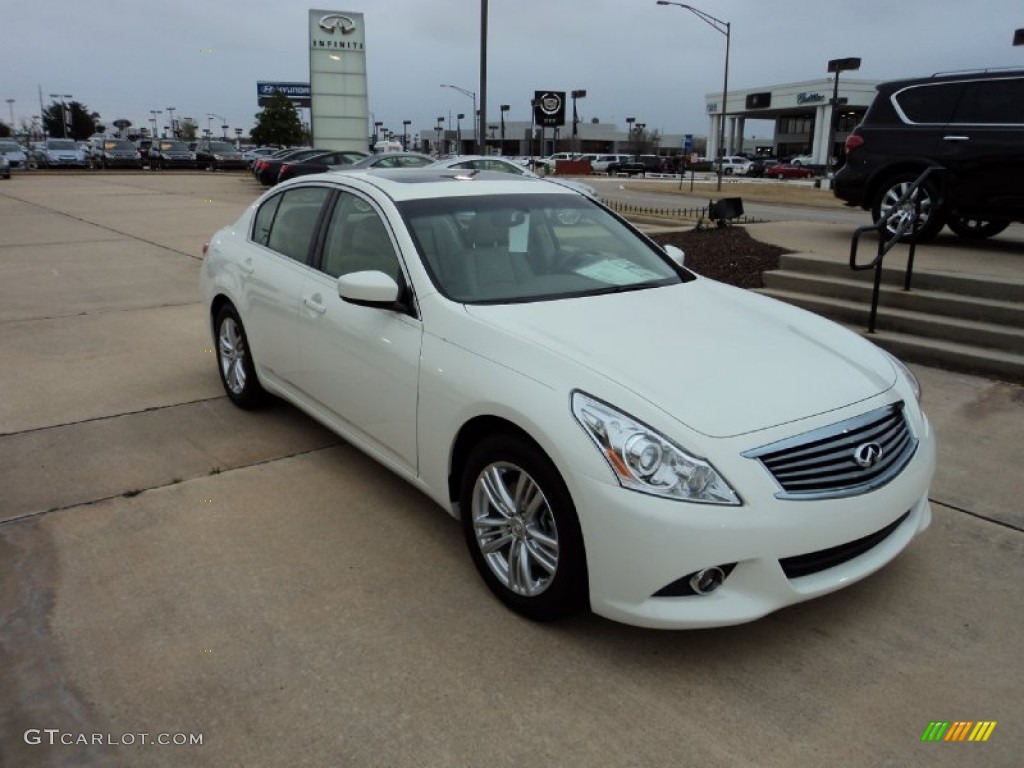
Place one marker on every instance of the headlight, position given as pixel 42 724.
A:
pixel 915 385
pixel 642 460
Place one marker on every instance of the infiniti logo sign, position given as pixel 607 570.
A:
pixel 335 21
pixel 867 455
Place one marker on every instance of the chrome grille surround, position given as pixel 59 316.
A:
pixel 823 463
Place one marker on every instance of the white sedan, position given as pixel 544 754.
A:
pixel 612 430
pixel 502 165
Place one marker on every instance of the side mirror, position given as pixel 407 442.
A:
pixel 676 254
pixel 369 288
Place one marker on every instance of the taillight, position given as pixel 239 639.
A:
pixel 853 141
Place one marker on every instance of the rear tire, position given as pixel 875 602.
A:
pixel 522 530
pixel 234 361
pixel 932 216
pixel 975 229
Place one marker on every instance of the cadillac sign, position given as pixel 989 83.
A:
pixel 549 108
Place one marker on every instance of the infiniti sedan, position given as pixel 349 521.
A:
pixel 612 430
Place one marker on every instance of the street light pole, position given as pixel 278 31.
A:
pixel 481 118
pixel 10 103
pixel 629 122
pixel 405 135
pixel 174 126
pixel 725 28
pixel 837 65
pixel 63 111
pixel 578 94
pixel 504 108
pixel 152 117
pixel 476 115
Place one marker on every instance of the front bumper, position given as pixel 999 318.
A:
pixel 122 162
pixel 65 162
pixel 638 545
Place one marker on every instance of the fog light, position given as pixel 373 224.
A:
pixel 707 580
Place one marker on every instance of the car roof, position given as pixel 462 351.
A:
pixel 417 183
pixel 382 155
pixel 945 77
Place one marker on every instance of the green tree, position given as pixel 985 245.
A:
pixel 278 123
pixel 187 129
pixel 81 123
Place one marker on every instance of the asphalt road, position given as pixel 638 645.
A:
pixel 175 567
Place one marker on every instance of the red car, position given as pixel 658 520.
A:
pixel 783 171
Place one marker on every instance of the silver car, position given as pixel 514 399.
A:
pixel 14 154
pixel 62 153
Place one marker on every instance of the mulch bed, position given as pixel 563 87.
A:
pixel 727 254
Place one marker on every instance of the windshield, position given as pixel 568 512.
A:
pixel 509 248
pixel 119 144
pixel 9 146
pixel 221 146
pixel 61 144
pixel 173 146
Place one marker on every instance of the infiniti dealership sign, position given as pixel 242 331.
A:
pixel 337 31
pixel 337 79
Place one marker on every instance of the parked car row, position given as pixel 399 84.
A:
pixel 105 151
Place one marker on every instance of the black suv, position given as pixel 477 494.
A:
pixel 971 124
pixel 638 164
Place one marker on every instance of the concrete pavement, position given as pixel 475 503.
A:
pixel 170 564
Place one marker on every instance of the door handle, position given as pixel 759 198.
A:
pixel 956 138
pixel 312 302
pixel 246 266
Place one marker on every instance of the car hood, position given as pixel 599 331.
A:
pixel 721 360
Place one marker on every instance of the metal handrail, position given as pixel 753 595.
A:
pixel 886 244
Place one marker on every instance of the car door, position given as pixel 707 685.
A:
pixel 360 364
pixel 273 270
pixel 988 159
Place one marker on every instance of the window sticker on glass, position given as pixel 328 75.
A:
pixel 618 272
pixel 518 236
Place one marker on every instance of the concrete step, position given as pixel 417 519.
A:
pixel 952 356
pixel 980 286
pixel 938 327
pixel 942 303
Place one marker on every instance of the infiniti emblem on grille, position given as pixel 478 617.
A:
pixel 867 455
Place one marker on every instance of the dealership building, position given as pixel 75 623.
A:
pixel 802 114
pixel 799 114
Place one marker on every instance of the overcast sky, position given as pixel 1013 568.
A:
pixel 634 58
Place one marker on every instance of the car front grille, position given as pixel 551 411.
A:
pixel 814 562
pixel 844 459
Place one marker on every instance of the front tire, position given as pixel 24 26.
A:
pixel 975 229
pixel 932 217
pixel 521 529
pixel 234 361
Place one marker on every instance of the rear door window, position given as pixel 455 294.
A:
pixel 992 102
pixel 932 104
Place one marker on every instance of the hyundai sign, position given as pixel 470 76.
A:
pixel 299 93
